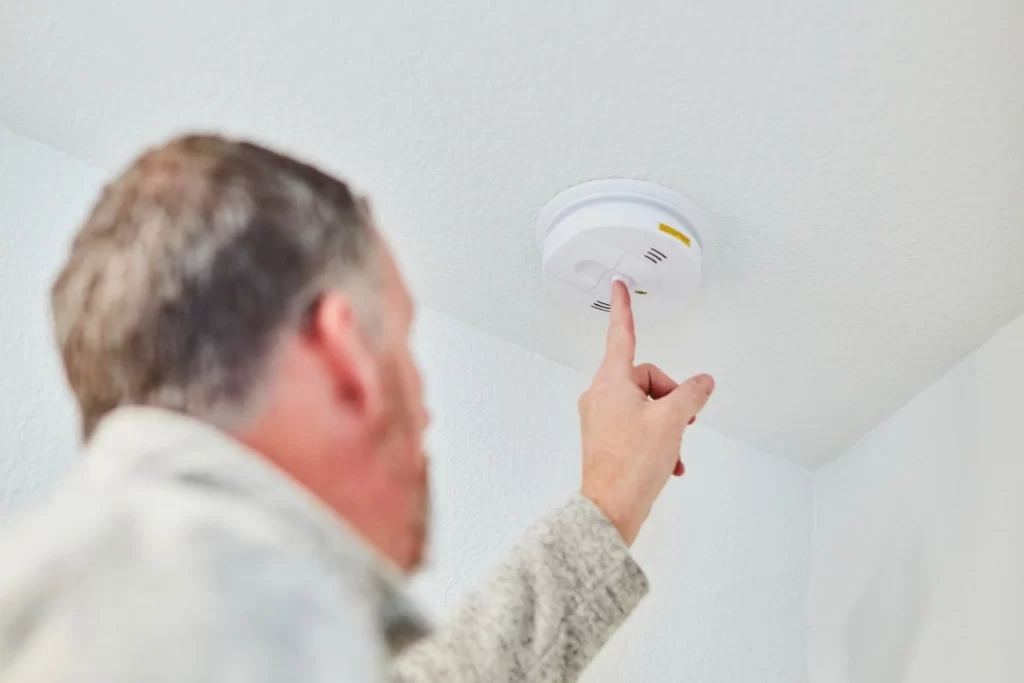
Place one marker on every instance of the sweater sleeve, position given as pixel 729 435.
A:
pixel 554 602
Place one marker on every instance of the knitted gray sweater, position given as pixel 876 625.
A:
pixel 174 554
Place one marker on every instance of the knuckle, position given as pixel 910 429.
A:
pixel 681 410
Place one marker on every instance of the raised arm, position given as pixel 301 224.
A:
pixel 571 582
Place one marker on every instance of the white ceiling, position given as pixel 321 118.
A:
pixel 862 161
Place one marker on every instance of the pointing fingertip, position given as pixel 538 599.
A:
pixel 706 382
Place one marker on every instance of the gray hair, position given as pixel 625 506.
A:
pixel 192 264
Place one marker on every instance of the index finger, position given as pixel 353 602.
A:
pixel 621 344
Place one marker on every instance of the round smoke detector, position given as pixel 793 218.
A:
pixel 646 235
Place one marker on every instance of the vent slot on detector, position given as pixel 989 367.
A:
pixel 654 256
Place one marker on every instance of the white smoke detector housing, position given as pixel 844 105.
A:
pixel 646 235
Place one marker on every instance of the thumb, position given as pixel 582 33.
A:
pixel 689 398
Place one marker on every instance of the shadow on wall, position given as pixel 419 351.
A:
pixel 886 621
pixel 919 573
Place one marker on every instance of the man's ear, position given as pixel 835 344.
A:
pixel 347 352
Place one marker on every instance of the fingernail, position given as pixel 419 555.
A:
pixel 706 382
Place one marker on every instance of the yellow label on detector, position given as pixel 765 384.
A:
pixel 669 230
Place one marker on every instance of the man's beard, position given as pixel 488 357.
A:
pixel 399 434
pixel 421 530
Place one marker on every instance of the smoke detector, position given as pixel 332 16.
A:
pixel 646 235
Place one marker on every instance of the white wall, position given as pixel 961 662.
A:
pixel 918 569
pixel 43 195
pixel 727 548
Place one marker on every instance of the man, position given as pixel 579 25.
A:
pixel 254 488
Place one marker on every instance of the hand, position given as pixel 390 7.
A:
pixel 633 419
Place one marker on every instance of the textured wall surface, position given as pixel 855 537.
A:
pixel 919 535
pixel 727 548
pixel 862 161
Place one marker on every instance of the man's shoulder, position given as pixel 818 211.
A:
pixel 91 524
pixel 163 565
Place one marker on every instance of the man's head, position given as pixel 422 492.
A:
pixel 221 280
